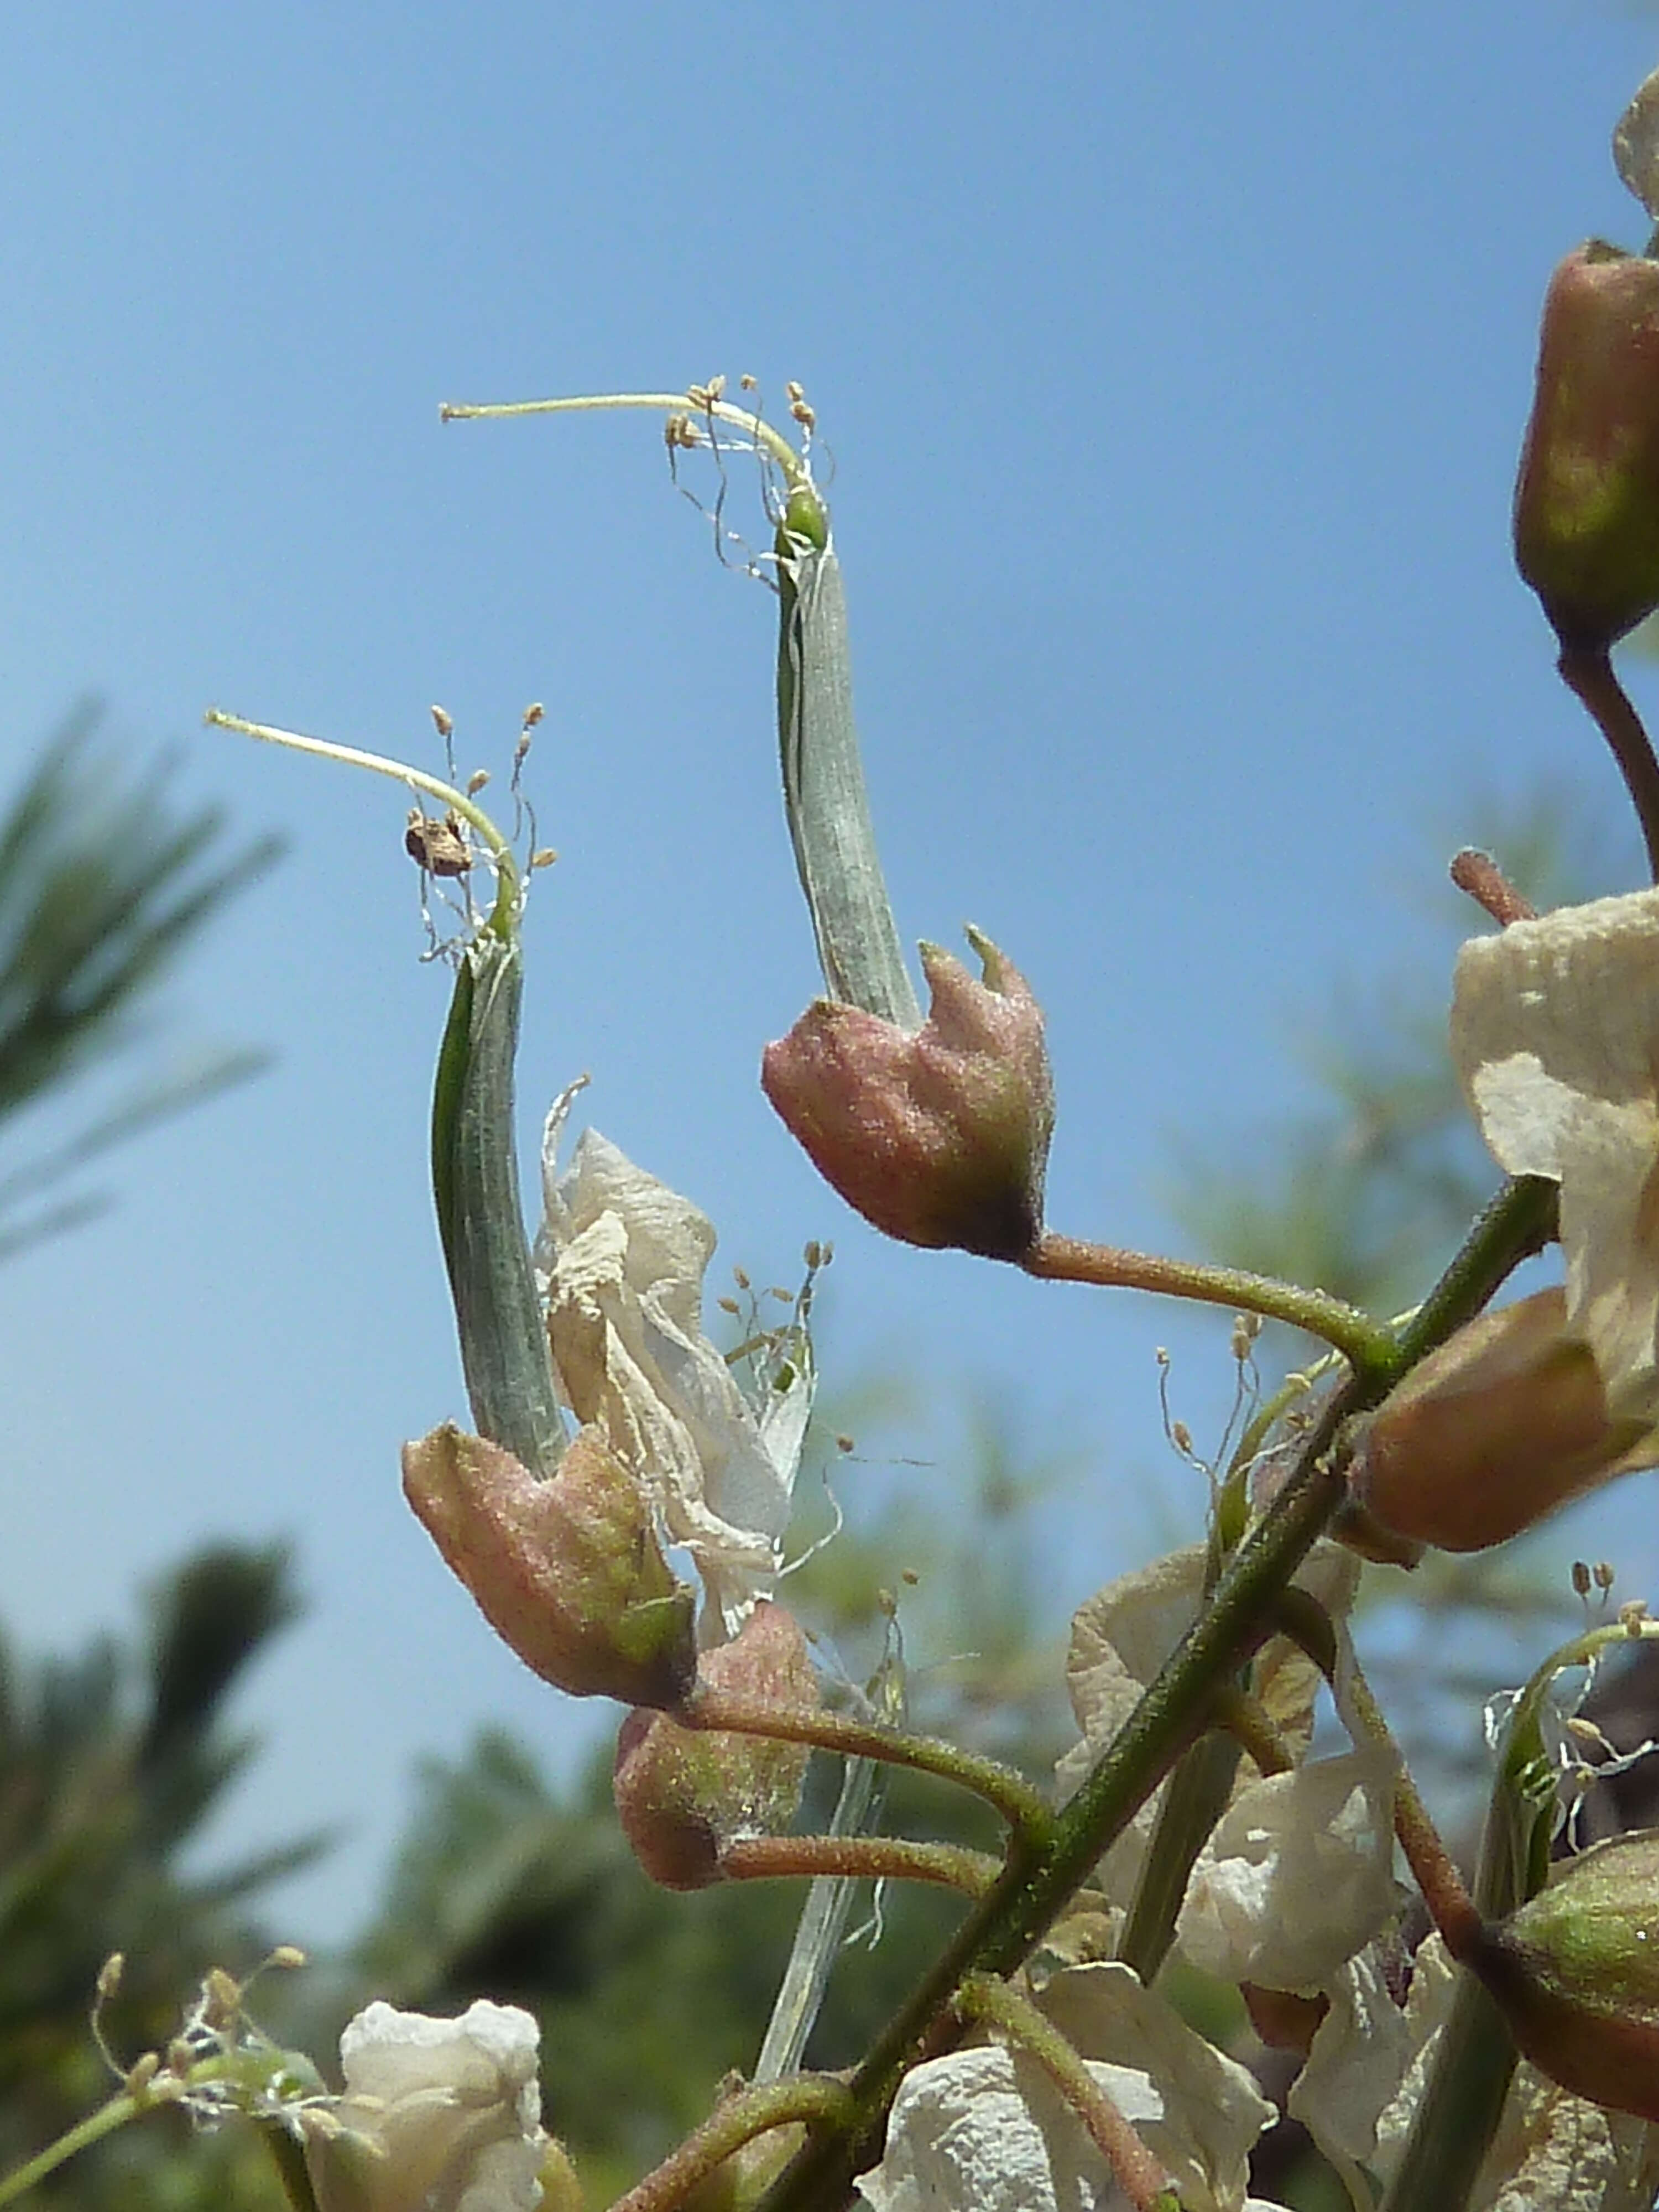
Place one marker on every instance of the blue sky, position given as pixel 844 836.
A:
pixel 1173 362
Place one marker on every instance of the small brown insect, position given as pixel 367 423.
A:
pixel 439 844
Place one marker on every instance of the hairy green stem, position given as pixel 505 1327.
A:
pixel 874 1858
pixel 1137 2172
pixel 998 1934
pixel 811 2100
pixel 104 2121
pixel 1367 1343
pixel 719 1710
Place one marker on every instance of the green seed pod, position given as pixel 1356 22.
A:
pixel 1576 1972
pixel 475 1180
pixel 1587 504
pixel 823 791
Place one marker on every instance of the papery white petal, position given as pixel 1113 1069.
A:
pixel 1297 1877
pixel 1121 1638
pixel 1554 2152
pixel 981 2131
pixel 620 1260
pixel 1213 2111
pixel 1434 1982
pixel 1555 1033
pixel 1359 2060
pixel 441 2114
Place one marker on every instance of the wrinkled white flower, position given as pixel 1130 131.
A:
pixel 1555 1034
pixel 1297 1877
pixel 986 2131
pixel 620 1261
pixel 1121 1638
pixel 438 2115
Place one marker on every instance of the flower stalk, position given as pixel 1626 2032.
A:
pixel 1138 2174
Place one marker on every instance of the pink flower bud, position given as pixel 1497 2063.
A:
pixel 1587 505
pixel 938 1138
pixel 684 1795
pixel 1506 1422
pixel 568 1570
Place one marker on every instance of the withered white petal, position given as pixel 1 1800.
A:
pixel 1297 1877
pixel 986 2131
pixel 620 1260
pixel 440 2113
pixel 1555 1034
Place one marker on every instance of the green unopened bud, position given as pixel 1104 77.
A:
pixel 568 1570
pixel 1587 504
pixel 938 1138
pixel 682 1794
pixel 1504 1424
pixel 1576 1972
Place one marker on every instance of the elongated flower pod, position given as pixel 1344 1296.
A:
pixel 475 1181
pixel 823 790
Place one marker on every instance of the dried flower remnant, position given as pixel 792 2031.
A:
pixel 621 1259
pixel 683 1795
pixel 1504 1424
pixel 984 2131
pixel 568 1570
pixel 1555 1035
pixel 441 2114
pixel 938 1138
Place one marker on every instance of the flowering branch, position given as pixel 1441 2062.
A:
pixel 997 1935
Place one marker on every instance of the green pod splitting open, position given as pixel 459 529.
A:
pixel 824 789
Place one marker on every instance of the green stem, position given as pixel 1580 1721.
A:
pixel 1000 1933
pixel 1013 1796
pixel 104 2121
pixel 1193 1802
pixel 772 441
pixel 1138 2174
pixel 805 2099
pixel 874 1859
pixel 1368 1344
pixel 503 914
